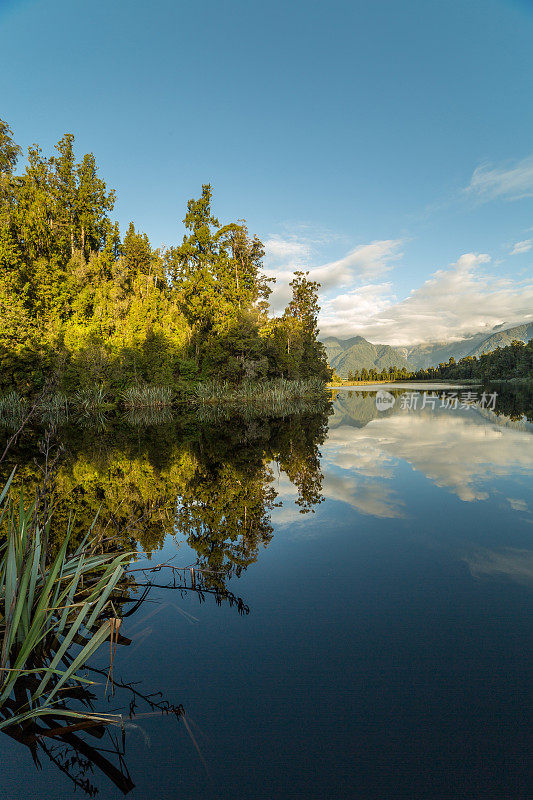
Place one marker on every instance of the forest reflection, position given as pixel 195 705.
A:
pixel 210 484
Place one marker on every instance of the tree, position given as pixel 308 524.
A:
pixel 216 274
pixel 65 189
pixel 239 268
pixel 93 202
pixel 302 316
pixel 90 307
pixel 9 151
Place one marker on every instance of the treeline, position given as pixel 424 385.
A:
pixel 390 374
pixel 505 363
pixel 79 305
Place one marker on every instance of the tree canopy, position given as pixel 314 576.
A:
pixel 80 304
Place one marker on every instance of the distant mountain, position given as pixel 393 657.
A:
pixel 353 354
pixel 504 338
pixel 424 355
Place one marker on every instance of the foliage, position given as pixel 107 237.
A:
pixel 13 409
pixel 225 460
pixel 512 362
pixel 274 398
pixel 365 375
pixel 90 398
pixel 147 397
pixel 47 606
pixel 82 307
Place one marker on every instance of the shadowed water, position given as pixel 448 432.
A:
pixel 386 561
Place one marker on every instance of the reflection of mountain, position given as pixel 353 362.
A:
pixel 356 353
pixel 355 408
pixel 461 451
pixel 358 408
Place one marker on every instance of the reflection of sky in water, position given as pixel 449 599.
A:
pixel 388 650
pixel 462 452
pixel 398 464
pixel 509 562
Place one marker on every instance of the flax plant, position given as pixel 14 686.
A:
pixel 147 397
pixel 54 615
pixel 278 397
pixel 13 409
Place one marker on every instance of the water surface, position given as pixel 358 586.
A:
pixel 386 561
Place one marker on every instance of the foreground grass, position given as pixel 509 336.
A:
pixel 216 401
pixel 147 397
pixel 46 607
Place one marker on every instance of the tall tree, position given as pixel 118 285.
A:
pixel 9 150
pixel 65 189
pixel 190 266
pixel 217 274
pixel 93 202
pixel 302 316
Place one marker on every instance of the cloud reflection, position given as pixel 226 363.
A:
pixel 460 452
pixel 513 564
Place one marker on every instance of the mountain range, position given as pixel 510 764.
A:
pixel 353 354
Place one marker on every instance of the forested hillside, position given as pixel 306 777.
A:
pixel 514 361
pixel 355 354
pixel 80 305
pixel 521 333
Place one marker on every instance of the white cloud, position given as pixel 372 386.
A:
pixel 452 304
pixel 488 183
pixel 366 261
pixel 291 252
pixel 355 298
pixel 517 504
pixel 285 254
pixel 522 247
pixel 366 496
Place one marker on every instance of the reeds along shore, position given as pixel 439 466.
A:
pixel 278 396
pixel 258 393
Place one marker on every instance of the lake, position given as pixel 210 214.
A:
pixel 364 625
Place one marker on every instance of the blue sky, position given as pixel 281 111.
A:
pixel 385 145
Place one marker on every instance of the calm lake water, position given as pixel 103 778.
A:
pixel 385 559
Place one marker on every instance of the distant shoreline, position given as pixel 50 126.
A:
pixel 370 385
pixel 407 382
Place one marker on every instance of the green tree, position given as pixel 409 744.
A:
pixel 9 151
pixel 301 315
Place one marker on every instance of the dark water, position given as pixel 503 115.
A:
pixel 386 559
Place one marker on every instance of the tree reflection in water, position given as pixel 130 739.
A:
pixel 223 478
pixel 72 747
pixel 222 473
